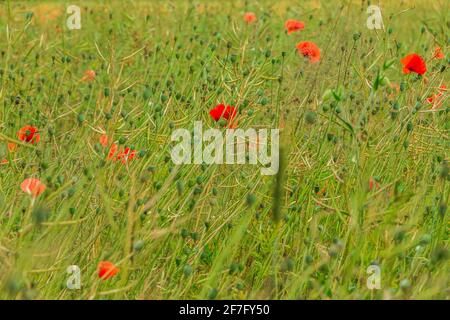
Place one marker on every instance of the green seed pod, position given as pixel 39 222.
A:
pixel 212 294
pixel 80 118
pixel 250 199
pixel 138 245
pixel 187 270
pixel 184 233
pixel 310 117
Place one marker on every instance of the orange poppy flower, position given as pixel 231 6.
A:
pixel 89 75
pixel 309 49
pixel 29 134
pixel 220 111
pixel 438 53
pixel 112 150
pixel 293 25
pixel 4 161
pixel 106 270
pixel 103 140
pixel 413 63
pixel 12 147
pixel 126 155
pixel 250 17
pixel 437 98
pixel 33 186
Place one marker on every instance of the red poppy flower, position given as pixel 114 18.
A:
pixel 32 186
pixel 250 17
pixel 437 99
pixel 126 155
pixel 413 63
pixel 103 140
pixel 293 25
pixel 89 75
pixel 112 150
pixel 29 134
pixel 12 147
pixel 106 270
pixel 220 111
pixel 309 49
pixel 438 53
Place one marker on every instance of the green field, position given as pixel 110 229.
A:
pixel 364 156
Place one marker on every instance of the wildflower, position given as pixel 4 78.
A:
pixel 413 63
pixel 126 155
pixel 89 75
pixel 112 151
pixel 438 53
pixel 373 183
pixel 309 49
pixel 220 111
pixel 437 98
pixel 293 25
pixel 106 270
pixel 33 186
pixel 29 134
pixel 250 17
pixel 12 146
pixel 103 140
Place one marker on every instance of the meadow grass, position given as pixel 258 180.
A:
pixel 363 181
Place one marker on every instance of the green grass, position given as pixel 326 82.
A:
pixel 224 231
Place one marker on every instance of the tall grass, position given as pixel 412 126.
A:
pixel 364 178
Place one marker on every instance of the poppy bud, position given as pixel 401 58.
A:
pixel 212 294
pixel 310 117
pixel 180 187
pixel 80 118
pixel 184 233
pixel 405 284
pixel 138 245
pixel 187 270
pixel 250 199
pixel 409 126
